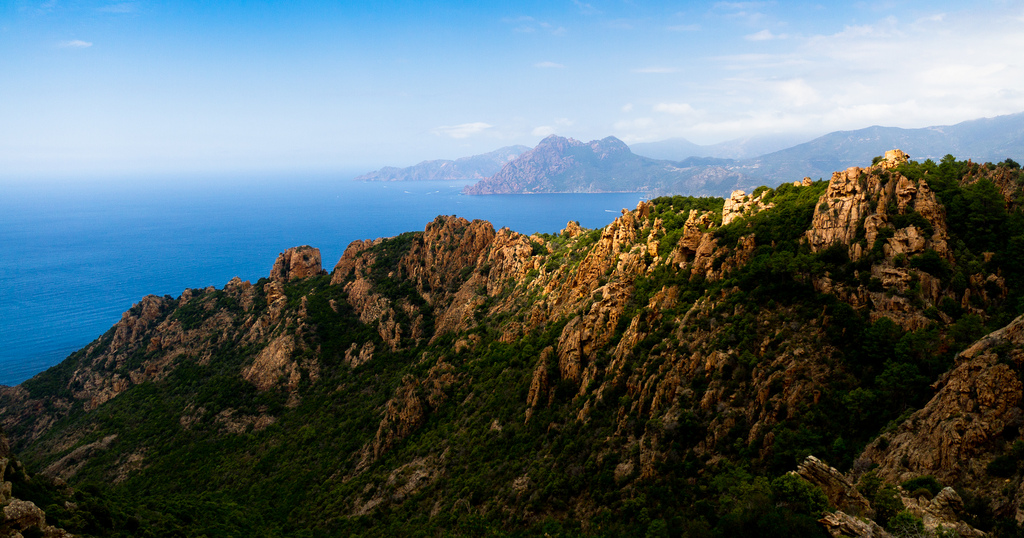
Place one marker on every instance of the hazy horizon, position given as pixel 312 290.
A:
pixel 107 88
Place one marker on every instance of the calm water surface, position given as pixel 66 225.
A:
pixel 77 255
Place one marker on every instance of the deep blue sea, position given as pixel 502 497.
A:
pixel 74 255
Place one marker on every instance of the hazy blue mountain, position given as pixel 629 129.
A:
pixel 987 139
pixel 675 149
pixel 678 166
pixel 560 164
pixel 474 167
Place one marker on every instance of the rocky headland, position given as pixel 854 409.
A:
pixel 835 357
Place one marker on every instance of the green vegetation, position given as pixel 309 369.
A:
pixel 685 420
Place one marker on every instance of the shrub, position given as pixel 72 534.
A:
pixel 928 483
pixel 1003 466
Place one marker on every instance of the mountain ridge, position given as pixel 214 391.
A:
pixel 662 375
pixel 721 168
pixel 560 164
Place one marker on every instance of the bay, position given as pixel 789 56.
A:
pixel 77 254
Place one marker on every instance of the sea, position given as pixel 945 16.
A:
pixel 74 255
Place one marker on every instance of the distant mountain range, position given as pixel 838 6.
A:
pixel 988 139
pixel 560 164
pixel 475 167
pixel 675 149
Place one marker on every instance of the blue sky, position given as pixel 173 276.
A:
pixel 97 88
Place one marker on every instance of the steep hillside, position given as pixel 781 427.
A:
pixel 661 376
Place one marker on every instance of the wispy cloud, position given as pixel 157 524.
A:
pixel 764 35
pixel 655 70
pixel 747 11
pixel 740 5
pixel 74 44
pixel 684 28
pixel 585 8
pixel 549 65
pixel 462 130
pixel 529 25
pixel 674 108
pixel 548 130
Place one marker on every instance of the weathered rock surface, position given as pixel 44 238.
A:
pixel 739 204
pixel 296 263
pixel 837 487
pixel 840 523
pixel 617 341
pixel 20 517
pixel 964 426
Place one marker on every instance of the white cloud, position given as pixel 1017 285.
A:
pixel 530 25
pixel 547 130
pixel 655 70
pixel 74 44
pixel 463 130
pixel 744 11
pixel 764 35
pixel 628 107
pixel 549 65
pixel 796 92
pixel 674 108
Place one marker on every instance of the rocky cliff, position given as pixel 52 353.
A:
pixel 664 373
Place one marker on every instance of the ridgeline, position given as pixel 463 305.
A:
pixel 823 358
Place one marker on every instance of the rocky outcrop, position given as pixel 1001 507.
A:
pixel 837 487
pixel 272 363
pixel 638 329
pixel 854 511
pixel 350 259
pixel 857 205
pixel 964 426
pixel 296 263
pixel 539 384
pixel 19 517
pixel 739 204
pixel 407 410
pixel 840 523
pixel 942 511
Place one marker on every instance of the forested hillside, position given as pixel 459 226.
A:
pixel 668 375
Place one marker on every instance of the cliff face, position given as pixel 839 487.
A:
pixel 969 427
pixel 466 370
pixel 21 517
